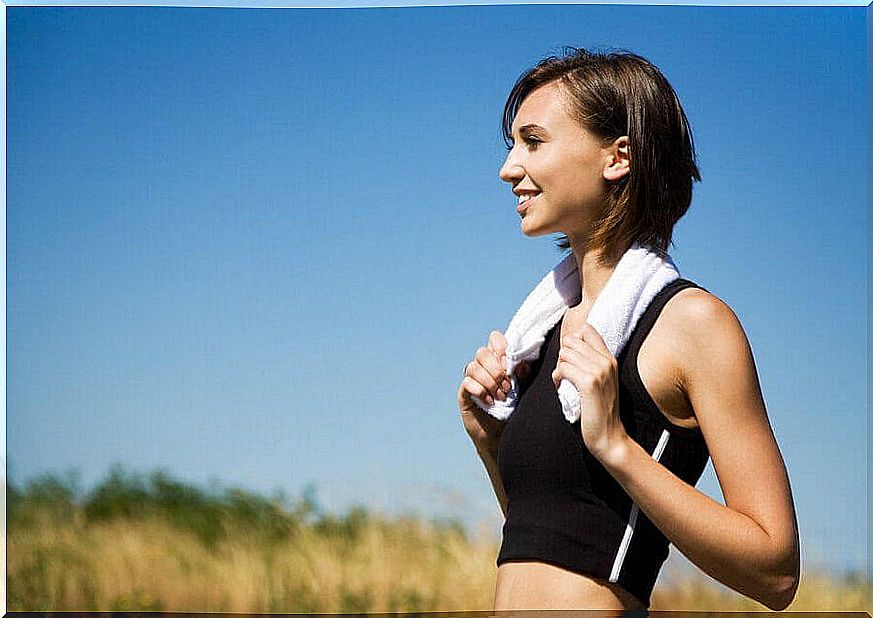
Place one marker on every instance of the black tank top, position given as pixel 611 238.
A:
pixel 564 508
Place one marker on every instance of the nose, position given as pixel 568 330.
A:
pixel 511 171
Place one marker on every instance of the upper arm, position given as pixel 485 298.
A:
pixel 719 377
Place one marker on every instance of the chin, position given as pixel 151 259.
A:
pixel 530 232
pixel 529 229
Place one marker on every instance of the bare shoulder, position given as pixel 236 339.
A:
pixel 698 317
pixel 705 333
pixel 713 359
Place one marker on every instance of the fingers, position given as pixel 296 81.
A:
pixel 570 361
pixel 587 338
pixel 579 362
pixel 592 337
pixel 497 342
pixel 485 376
pixel 489 371
pixel 471 386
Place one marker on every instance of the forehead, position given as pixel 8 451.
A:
pixel 546 106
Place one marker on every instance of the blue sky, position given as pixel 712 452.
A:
pixel 258 246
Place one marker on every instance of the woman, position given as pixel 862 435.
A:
pixel 600 151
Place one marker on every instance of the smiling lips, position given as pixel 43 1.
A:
pixel 523 200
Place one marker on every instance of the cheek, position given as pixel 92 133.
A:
pixel 573 183
pixel 582 178
pixel 560 176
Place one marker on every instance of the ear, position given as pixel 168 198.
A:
pixel 617 159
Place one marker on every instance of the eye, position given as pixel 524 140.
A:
pixel 532 142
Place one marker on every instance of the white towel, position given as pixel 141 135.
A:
pixel 639 275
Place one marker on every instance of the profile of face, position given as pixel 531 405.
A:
pixel 559 171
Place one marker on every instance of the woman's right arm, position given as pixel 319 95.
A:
pixel 485 377
pixel 489 458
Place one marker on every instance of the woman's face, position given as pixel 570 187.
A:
pixel 557 169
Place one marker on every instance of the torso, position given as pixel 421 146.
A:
pixel 537 585
pixel 528 585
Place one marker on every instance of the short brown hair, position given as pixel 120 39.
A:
pixel 614 94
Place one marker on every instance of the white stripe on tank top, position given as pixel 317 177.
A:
pixel 635 509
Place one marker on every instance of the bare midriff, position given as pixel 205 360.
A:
pixel 538 585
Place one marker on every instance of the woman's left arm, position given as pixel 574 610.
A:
pixel 751 543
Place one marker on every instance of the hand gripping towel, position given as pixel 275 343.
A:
pixel 639 275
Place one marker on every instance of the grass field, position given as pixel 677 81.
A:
pixel 153 543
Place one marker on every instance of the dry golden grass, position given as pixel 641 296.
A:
pixel 398 565
pixel 817 592
pixel 401 565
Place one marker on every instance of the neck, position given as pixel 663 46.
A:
pixel 595 268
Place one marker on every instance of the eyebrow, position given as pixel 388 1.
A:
pixel 531 128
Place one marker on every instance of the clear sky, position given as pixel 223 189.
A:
pixel 259 246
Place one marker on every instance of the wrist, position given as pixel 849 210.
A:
pixel 616 454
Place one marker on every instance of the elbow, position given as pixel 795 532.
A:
pixel 783 581
pixel 780 598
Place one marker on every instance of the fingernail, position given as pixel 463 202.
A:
pixel 506 386
pixel 489 400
